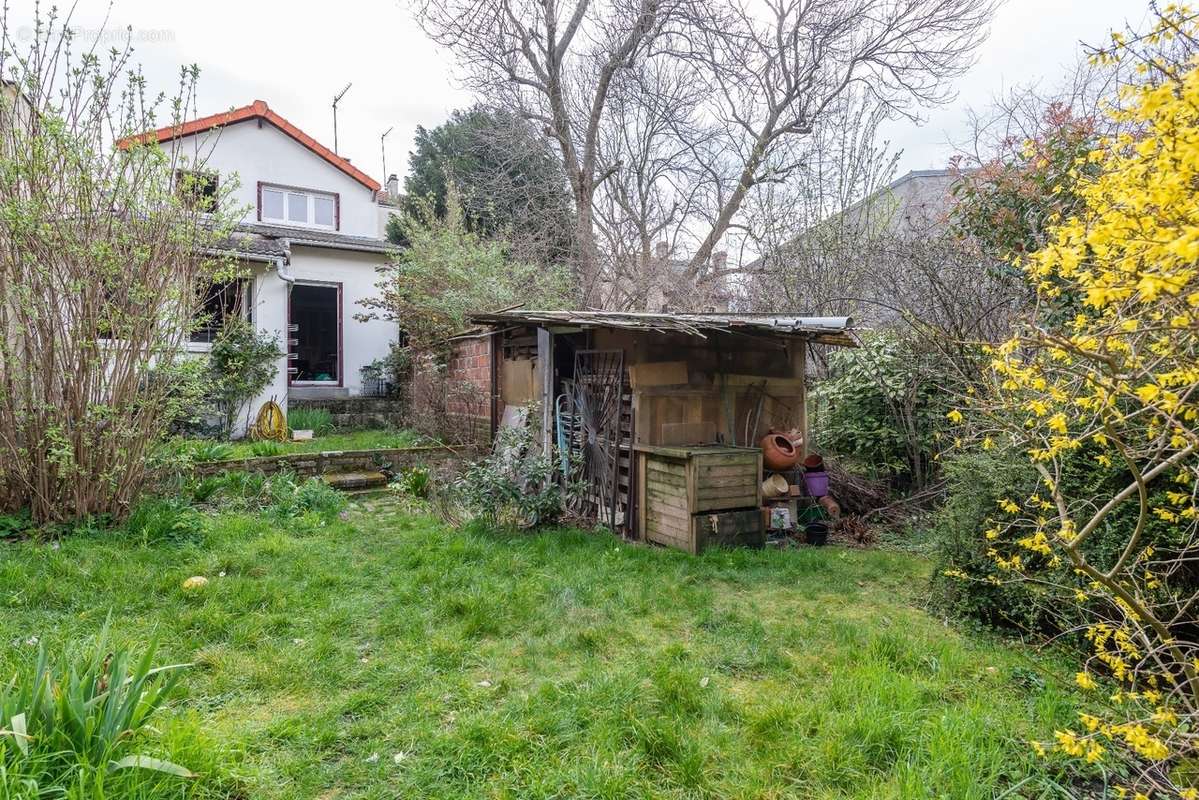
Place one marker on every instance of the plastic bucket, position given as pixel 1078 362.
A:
pixel 816 483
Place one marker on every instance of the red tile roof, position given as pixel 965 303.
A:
pixel 256 110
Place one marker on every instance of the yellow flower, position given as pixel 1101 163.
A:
pixel 1149 392
pixel 954 416
pixel 1084 680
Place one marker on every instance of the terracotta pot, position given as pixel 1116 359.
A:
pixel 831 506
pixel 778 453
pixel 813 462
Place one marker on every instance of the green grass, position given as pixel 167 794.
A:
pixel 556 665
pixel 356 440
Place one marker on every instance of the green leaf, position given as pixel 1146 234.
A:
pixel 147 762
pixel 19 733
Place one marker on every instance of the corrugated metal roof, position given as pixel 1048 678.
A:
pixel 830 330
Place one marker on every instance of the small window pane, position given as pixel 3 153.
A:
pixel 272 204
pixel 323 211
pixel 297 207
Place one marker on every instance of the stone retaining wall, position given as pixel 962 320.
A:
pixel 357 413
pixel 306 465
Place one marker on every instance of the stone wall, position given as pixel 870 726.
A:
pixel 357 413
pixel 305 465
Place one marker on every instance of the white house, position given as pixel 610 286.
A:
pixel 311 239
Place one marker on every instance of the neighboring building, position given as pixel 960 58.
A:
pixel 311 238
pixel 840 262
pixel 654 285
pixel 913 204
pixel 390 203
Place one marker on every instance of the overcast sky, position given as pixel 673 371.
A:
pixel 296 56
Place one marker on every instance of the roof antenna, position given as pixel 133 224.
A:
pixel 340 95
pixel 383 149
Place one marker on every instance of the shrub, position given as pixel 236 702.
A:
pixel 514 486
pixel 98 247
pixel 446 271
pixel 267 447
pixel 976 483
pixel 16 524
pixel 882 407
pixel 281 495
pixel 240 365
pixel 317 420
pixel 289 498
pixel 164 520
pixel 207 450
pixel 1101 406
pixel 82 720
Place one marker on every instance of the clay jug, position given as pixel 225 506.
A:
pixel 778 453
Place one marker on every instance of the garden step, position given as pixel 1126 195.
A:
pixel 366 479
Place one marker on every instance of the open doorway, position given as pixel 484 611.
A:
pixel 315 338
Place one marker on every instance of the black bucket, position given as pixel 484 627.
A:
pixel 816 533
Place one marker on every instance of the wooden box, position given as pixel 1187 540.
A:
pixel 729 529
pixel 675 484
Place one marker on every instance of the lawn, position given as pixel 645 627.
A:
pixel 387 656
pixel 352 440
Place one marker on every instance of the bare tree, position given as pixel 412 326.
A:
pixel 819 232
pixel 556 64
pixel 642 210
pixel 767 72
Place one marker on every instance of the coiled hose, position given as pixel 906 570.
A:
pixel 271 423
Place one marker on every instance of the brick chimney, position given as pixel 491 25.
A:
pixel 393 187
pixel 719 260
pixel 662 251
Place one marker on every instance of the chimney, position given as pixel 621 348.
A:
pixel 719 260
pixel 393 187
pixel 662 251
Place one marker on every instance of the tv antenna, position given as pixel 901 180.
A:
pixel 383 149
pixel 336 99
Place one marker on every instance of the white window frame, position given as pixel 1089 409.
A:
pixel 310 196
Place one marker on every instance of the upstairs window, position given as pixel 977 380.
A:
pixel 198 189
pixel 288 206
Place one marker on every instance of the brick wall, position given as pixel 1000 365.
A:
pixel 469 379
pixel 470 363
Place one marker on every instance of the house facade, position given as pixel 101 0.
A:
pixel 310 239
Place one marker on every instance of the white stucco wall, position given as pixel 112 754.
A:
pixel 362 342
pixel 255 150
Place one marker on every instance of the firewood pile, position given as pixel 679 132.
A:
pixel 858 496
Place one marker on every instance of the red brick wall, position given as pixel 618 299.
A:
pixel 470 366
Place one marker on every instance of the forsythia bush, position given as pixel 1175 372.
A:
pixel 1117 384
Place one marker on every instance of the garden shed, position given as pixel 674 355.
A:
pixel 607 383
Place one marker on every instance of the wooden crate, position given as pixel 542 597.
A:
pixel 729 529
pixel 675 484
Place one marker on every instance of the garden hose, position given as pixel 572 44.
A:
pixel 270 423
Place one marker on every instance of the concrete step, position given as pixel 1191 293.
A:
pixel 347 481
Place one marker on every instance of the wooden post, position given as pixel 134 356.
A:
pixel 545 362
pixel 494 351
pixel 799 368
